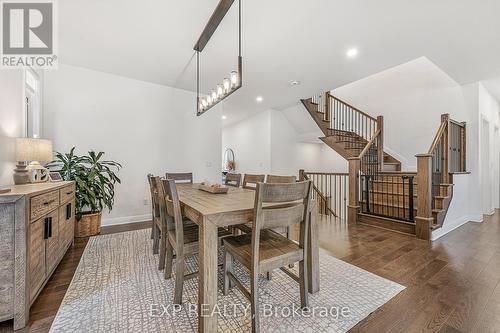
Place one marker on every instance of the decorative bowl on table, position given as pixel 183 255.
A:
pixel 213 188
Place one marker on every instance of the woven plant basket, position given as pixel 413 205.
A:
pixel 89 225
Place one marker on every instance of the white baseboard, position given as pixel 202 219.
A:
pixel 125 219
pixel 449 226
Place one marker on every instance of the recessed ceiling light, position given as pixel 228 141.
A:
pixel 259 99
pixel 224 117
pixel 351 53
pixel 295 83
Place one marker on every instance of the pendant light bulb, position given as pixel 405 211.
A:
pixel 227 85
pixel 209 100
pixel 220 91
pixel 214 95
pixel 234 79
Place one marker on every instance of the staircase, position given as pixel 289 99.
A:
pixel 380 193
pixel 347 130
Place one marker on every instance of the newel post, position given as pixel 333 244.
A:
pixel 424 218
pixel 353 204
pixel 327 105
pixel 380 143
pixel 446 151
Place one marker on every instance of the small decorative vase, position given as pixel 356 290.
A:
pixel 21 174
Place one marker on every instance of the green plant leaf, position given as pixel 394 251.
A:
pixel 95 179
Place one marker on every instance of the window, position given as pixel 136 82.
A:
pixel 33 103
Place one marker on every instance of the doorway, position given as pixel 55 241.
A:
pixel 486 167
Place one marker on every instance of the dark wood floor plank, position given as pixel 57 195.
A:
pixel 453 284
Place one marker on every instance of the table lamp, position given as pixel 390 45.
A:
pixel 33 151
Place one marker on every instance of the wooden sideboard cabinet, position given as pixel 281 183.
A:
pixel 36 229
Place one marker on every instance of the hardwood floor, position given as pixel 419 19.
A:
pixel 452 284
pixel 45 307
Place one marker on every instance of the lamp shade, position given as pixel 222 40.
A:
pixel 29 149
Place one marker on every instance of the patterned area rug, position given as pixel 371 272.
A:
pixel 118 288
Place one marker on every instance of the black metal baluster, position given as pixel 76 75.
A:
pixel 411 203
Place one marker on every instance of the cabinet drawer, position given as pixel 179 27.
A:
pixel 43 203
pixel 67 193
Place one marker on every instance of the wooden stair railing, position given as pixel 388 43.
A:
pixel 435 170
pixel 330 191
pixel 343 117
pixel 347 129
pixel 379 192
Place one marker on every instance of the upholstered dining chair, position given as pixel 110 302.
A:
pixel 276 205
pixel 250 181
pixel 181 236
pixel 280 179
pixel 233 179
pixel 180 177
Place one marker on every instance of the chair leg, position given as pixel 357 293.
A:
pixel 163 248
pixel 169 258
pixel 156 238
pixel 228 267
pixel 304 300
pixel 254 301
pixel 288 235
pixel 152 229
pixel 269 275
pixel 179 279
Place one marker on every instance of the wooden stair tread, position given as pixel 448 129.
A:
pixel 390 205
pixel 393 182
pixel 391 193
pixel 386 223
pixel 386 218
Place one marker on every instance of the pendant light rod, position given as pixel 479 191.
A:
pixel 229 86
pixel 213 23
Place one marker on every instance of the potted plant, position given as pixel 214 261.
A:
pixel 95 181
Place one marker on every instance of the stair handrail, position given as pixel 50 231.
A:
pixel 303 176
pixel 433 171
pixel 439 134
pixel 352 107
pixel 369 144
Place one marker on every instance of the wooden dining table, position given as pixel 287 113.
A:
pixel 211 211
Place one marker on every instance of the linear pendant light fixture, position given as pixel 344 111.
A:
pixel 228 85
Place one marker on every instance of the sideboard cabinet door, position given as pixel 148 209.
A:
pixel 38 230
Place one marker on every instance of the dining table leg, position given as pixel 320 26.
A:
pixel 313 251
pixel 207 292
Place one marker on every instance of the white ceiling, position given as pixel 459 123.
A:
pixel 493 86
pixel 283 40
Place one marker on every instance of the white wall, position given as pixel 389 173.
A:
pixel 267 143
pixel 11 120
pixel 144 126
pixel 289 152
pixel 488 149
pixel 250 140
pixel 411 97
